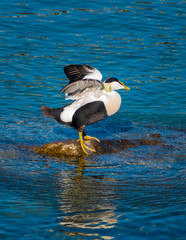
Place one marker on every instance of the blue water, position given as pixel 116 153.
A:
pixel 137 193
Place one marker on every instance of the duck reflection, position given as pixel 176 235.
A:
pixel 86 205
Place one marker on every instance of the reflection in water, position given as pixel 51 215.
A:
pixel 85 205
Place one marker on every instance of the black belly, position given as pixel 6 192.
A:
pixel 89 114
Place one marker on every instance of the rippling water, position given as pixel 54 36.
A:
pixel 137 193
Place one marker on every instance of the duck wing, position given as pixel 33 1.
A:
pixel 82 88
pixel 80 72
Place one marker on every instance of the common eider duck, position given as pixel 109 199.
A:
pixel 93 100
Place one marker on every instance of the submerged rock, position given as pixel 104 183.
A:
pixel 73 148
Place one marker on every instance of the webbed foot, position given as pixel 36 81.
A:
pixel 83 146
pixel 86 137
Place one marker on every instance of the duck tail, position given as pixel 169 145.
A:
pixel 52 113
pixel 47 112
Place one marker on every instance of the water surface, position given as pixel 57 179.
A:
pixel 137 193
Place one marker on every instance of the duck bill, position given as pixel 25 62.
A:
pixel 125 87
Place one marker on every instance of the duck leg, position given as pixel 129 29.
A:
pixel 86 137
pixel 83 146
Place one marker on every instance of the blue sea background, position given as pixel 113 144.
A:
pixel 137 193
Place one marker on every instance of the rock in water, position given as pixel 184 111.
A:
pixel 64 148
pixel 72 147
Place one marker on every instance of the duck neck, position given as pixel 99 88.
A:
pixel 107 87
